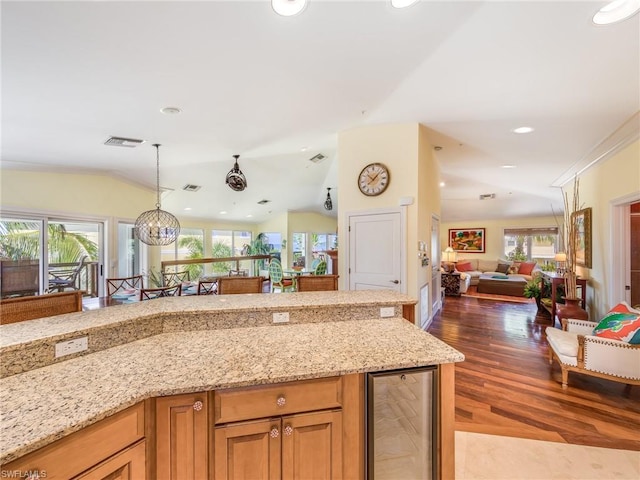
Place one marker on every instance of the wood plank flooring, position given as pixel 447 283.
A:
pixel 506 386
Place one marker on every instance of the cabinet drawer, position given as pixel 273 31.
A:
pixel 79 451
pixel 272 400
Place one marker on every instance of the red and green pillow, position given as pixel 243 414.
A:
pixel 621 323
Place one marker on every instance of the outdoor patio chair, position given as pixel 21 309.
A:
pixel 60 280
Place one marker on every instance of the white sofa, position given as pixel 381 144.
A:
pixel 489 267
pixel 577 350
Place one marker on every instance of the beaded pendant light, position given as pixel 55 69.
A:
pixel 157 227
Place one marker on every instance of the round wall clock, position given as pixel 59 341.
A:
pixel 373 179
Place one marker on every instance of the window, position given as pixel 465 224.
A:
pixel 531 244
pixel 299 250
pixel 228 243
pixel 190 245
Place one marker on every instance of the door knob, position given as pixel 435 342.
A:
pixel 395 281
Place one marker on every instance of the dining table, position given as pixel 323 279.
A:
pixel 294 273
pixel 131 295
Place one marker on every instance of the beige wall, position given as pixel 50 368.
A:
pixel 404 149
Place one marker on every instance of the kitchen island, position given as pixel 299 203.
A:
pixel 331 335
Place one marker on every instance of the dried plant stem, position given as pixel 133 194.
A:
pixel 570 236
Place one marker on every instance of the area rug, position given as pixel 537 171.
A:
pixel 473 292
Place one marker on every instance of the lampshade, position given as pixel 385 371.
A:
pixel 561 257
pixel 157 227
pixel 449 255
pixel 288 8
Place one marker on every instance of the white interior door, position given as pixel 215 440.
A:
pixel 376 251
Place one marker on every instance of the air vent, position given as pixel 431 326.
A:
pixel 263 202
pixel 318 158
pixel 123 142
pixel 191 188
pixel 487 196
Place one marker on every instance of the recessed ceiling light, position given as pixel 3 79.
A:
pixel 170 110
pixel 508 166
pixel 442 184
pixel 187 208
pixel 616 11
pixel 249 216
pixel 523 130
pixel 402 3
pixel 223 212
pixel 288 8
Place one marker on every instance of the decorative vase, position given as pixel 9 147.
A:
pixel 571 309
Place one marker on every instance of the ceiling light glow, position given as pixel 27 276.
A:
pixel 288 8
pixel 223 212
pixel 616 11
pixel 523 130
pixel 442 184
pixel 508 166
pixel 402 3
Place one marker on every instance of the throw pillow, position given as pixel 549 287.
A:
pixel 503 268
pixel 464 267
pixel 514 268
pixel 526 268
pixel 620 323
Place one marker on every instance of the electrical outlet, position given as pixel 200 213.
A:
pixel 75 345
pixel 387 312
pixel 281 317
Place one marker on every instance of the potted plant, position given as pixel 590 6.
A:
pixel 532 290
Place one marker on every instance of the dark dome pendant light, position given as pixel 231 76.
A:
pixel 328 204
pixel 157 227
pixel 235 178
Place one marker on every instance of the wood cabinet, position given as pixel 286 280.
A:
pixel 182 437
pixel 95 447
pixel 126 465
pixel 556 280
pixel 290 431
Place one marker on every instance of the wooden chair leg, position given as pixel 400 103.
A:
pixel 565 377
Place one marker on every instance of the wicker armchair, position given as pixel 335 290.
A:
pixel 19 309
pixel 229 285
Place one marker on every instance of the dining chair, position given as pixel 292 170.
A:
pixel 314 283
pixel 116 285
pixel 169 279
pixel 151 293
pixel 19 309
pixel 230 285
pixel 321 268
pixel 61 279
pixel 207 287
pixel 278 280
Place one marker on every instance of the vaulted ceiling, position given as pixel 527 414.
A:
pixel 276 90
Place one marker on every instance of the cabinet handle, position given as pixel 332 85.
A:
pixel 197 406
pixel 288 430
pixel 281 402
pixel 274 433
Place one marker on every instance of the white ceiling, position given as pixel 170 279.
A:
pixel 253 83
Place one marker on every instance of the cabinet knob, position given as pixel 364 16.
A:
pixel 281 402
pixel 197 406
pixel 288 430
pixel 274 433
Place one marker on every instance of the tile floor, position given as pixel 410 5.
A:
pixel 480 456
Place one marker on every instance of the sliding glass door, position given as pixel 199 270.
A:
pixel 20 257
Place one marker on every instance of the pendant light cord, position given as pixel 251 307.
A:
pixel 157 145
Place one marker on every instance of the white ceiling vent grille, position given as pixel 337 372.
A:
pixel 263 202
pixel 123 142
pixel 317 158
pixel 191 188
pixel 487 196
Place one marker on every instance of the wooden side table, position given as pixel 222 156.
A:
pixel 451 283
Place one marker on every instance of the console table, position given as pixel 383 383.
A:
pixel 451 283
pixel 556 279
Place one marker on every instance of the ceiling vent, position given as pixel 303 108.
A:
pixel 123 142
pixel 263 202
pixel 191 188
pixel 318 158
pixel 487 196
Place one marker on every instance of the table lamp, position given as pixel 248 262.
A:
pixel 560 259
pixel 449 257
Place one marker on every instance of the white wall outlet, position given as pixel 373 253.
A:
pixel 387 312
pixel 281 317
pixel 75 345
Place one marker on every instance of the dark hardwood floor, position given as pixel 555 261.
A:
pixel 506 386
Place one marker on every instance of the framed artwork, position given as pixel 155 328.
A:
pixel 582 222
pixel 469 240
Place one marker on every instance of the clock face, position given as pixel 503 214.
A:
pixel 373 179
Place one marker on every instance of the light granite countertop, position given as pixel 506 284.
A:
pixel 44 404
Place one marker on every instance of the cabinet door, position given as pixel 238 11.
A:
pixel 248 450
pixel 312 446
pixel 181 432
pixel 126 465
